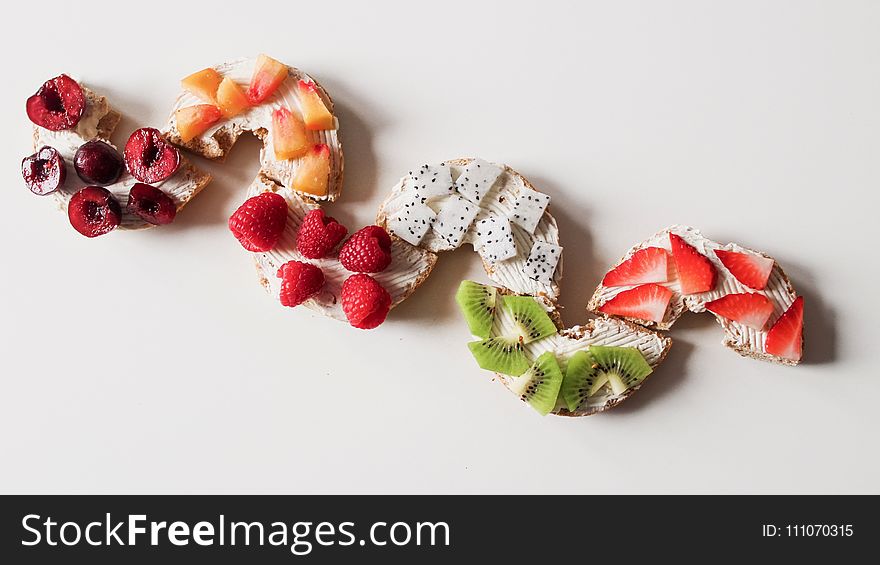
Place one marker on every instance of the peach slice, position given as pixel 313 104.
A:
pixel 193 121
pixel 203 84
pixel 313 175
pixel 231 99
pixel 315 112
pixel 268 76
pixel 289 137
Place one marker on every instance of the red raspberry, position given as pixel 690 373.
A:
pixel 259 222
pixel 299 282
pixel 364 301
pixel 318 235
pixel 367 251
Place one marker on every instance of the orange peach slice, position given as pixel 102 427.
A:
pixel 289 137
pixel 268 76
pixel 315 112
pixel 231 98
pixel 193 121
pixel 203 84
pixel 313 174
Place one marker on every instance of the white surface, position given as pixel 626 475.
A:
pixel 154 362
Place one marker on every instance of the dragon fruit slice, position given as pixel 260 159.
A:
pixel 455 217
pixel 494 240
pixel 528 209
pixel 412 222
pixel 542 262
pixel 476 179
pixel 432 181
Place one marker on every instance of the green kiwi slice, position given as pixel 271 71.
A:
pixel 530 317
pixel 539 385
pixel 581 381
pixel 500 354
pixel 624 367
pixel 477 303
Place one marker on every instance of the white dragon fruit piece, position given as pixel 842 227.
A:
pixel 477 179
pixel 528 209
pixel 455 217
pixel 412 222
pixel 494 239
pixel 542 261
pixel 432 181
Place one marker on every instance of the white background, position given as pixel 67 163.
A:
pixel 154 362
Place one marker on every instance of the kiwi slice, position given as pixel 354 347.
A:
pixel 531 318
pixel 539 385
pixel 477 303
pixel 624 367
pixel 500 354
pixel 581 380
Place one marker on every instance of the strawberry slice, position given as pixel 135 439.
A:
pixel 647 302
pixel 752 310
pixel 785 338
pixel 647 265
pixel 695 272
pixel 750 269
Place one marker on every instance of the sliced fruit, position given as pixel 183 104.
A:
pixel 531 318
pixel 501 355
pixel 94 211
pixel 752 310
pixel 649 265
pixel 695 272
pixel 647 302
pixel 289 137
pixel 203 84
pixel 539 385
pixel 315 112
pixel 750 269
pixel 151 204
pixel 313 174
pixel 785 338
pixel 57 105
pixel 268 76
pixel 580 380
pixel 193 121
pixel 624 367
pixel 231 98
pixel 477 303
pixel 149 157
pixel 44 172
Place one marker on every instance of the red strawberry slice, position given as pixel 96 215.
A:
pixel 750 269
pixel 752 310
pixel 785 338
pixel 695 272
pixel 647 302
pixel 647 265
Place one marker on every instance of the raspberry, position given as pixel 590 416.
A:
pixel 367 251
pixel 364 301
pixel 299 282
pixel 259 222
pixel 318 235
